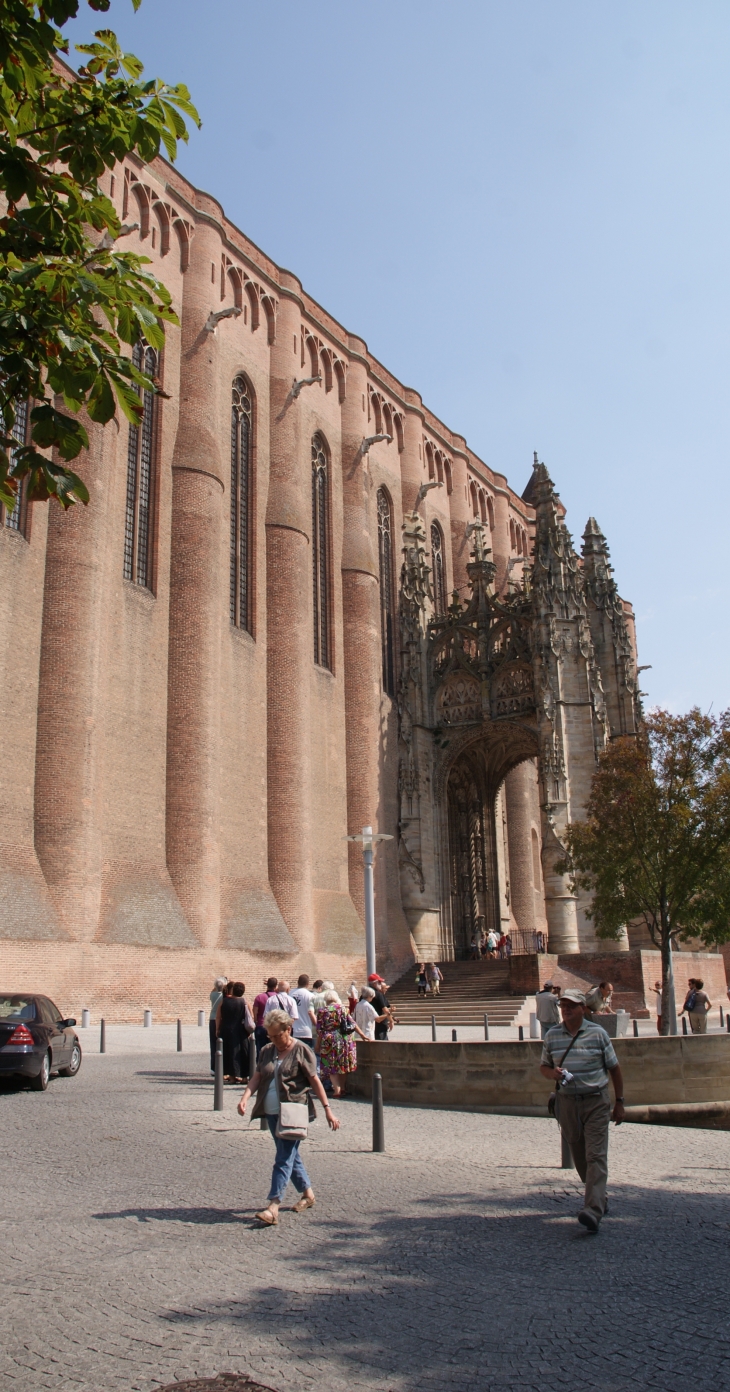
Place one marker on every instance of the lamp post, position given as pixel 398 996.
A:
pixel 368 839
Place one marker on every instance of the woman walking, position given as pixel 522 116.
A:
pixel 337 1052
pixel 285 1073
pixel 235 1024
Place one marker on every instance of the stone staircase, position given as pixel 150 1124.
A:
pixel 468 991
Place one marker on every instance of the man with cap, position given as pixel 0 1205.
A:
pixel 381 1003
pixel 546 1008
pixel 578 1056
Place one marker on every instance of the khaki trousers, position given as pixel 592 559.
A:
pixel 584 1124
pixel 697 1021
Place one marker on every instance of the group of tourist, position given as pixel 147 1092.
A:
pixel 319 1020
pixel 491 944
pixel 305 1043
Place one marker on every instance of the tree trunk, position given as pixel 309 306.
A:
pixel 669 1004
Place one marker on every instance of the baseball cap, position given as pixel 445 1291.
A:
pixel 374 977
pixel 548 983
pixel 571 995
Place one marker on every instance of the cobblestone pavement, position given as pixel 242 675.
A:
pixel 454 1261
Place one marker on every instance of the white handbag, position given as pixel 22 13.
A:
pixel 292 1121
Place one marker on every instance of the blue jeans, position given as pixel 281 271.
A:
pixel 288 1165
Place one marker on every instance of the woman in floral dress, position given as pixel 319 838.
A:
pixel 337 1051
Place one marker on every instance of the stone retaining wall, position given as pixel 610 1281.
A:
pixel 506 1076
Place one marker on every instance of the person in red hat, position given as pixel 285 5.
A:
pixel 382 1005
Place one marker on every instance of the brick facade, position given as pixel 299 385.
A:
pixel 180 786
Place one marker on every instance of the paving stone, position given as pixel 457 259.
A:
pixel 131 1259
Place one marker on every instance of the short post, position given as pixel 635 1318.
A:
pixel 566 1159
pixel 453 1036
pixel 102 1038
pixel 179 1036
pixel 727 1021
pixel 433 1029
pixel 218 1085
pixel 201 1019
pixel 684 1024
pixel 147 1019
pixel 251 1056
pixel 85 1017
pixel 722 1019
pixel 636 1029
pixel 378 1120
pixel 486 1027
pixel 521 1032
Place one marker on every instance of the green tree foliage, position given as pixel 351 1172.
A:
pixel 70 300
pixel 655 843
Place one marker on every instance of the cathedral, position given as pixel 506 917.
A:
pixel 297 604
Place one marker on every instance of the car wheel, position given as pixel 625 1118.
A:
pixel 74 1065
pixel 40 1082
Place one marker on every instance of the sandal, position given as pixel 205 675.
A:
pixel 303 1203
pixel 269 1219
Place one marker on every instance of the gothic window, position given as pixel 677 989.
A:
pixel 320 553
pixel 241 509
pixel 439 568
pixel 387 607
pixel 17 518
pixel 140 480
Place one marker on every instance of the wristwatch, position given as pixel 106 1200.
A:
pixel 619 1099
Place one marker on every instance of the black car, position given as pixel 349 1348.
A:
pixel 35 1040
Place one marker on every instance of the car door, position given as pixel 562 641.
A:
pixel 60 1046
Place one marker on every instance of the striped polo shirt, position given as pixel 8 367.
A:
pixel 590 1058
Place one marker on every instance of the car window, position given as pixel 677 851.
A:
pixel 49 1011
pixel 17 1008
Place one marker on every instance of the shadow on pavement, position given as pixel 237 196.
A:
pixel 176 1079
pixel 372 1284
pixel 208 1216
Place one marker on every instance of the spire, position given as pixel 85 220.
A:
pixel 556 574
pixel 597 569
pixel 594 542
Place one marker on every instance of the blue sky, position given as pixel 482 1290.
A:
pixel 523 207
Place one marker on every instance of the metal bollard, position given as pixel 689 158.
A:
pixel 684 1024
pixel 566 1159
pixel 636 1029
pixel 218 1085
pixel 727 1020
pixel 378 1120
pixel 147 1019
pixel 486 1027
pixel 521 1032
pixel 433 1029
pixel 722 1019
pixel 179 1036
pixel 453 1036
pixel 102 1038
pixel 85 1017
pixel 251 1056
pixel 201 1019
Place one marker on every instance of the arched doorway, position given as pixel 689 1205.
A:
pixel 473 870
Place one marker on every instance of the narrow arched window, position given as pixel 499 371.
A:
pixel 241 510
pixel 387 607
pixel 16 518
pixel 439 568
pixel 140 480
pixel 320 553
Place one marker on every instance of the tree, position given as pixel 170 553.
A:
pixel 70 300
pixel 655 842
